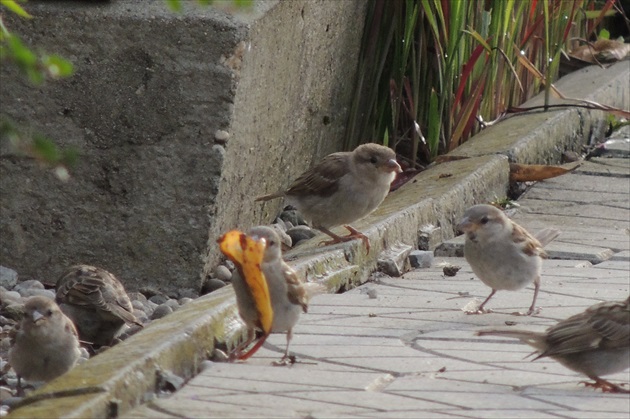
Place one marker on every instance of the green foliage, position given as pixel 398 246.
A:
pixel 436 68
pixel 177 5
pixel 36 67
pixel 38 147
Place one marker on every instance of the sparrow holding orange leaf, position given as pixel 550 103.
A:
pixel 287 295
pixel 250 287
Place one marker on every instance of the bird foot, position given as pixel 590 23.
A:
pixel 605 386
pixel 532 311
pixel 480 310
pixel 354 234
pixel 284 361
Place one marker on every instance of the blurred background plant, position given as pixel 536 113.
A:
pixel 36 67
pixel 432 71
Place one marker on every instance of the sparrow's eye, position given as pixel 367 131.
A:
pixel 49 313
pixel 484 220
pixel 373 160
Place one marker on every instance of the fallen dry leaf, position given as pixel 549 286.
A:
pixel 537 172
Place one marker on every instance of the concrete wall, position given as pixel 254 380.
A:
pixel 151 91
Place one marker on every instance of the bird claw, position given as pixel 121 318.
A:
pixel 532 311
pixel 605 386
pixel 284 361
pixel 480 310
pixel 354 234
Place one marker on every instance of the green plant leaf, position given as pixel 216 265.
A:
pixel 45 149
pixel 57 66
pixel 603 34
pixel 175 5
pixel 15 8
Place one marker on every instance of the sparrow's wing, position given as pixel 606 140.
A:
pixel 87 286
pixel 295 288
pixel 530 245
pixel 323 178
pixel 604 326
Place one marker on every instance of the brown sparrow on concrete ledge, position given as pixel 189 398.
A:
pixel 44 345
pixel 96 302
pixel 502 253
pixel 595 342
pixel 342 188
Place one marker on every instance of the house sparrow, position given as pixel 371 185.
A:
pixel 342 188
pixel 502 253
pixel 595 342
pixel 96 302
pixel 44 345
pixel 289 295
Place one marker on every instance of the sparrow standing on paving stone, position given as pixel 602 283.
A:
pixel 44 345
pixel 289 295
pixel 594 343
pixel 96 302
pixel 502 253
pixel 343 188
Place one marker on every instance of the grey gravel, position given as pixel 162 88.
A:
pixel 300 233
pixel 211 284
pixel 161 311
pixel 421 258
pixel 158 299
pixel 8 277
pixel 222 273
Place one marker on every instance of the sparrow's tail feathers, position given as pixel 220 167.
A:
pixel 270 196
pixel 314 288
pixel 547 235
pixel 533 339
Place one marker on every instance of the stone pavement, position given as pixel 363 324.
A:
pixel 404 348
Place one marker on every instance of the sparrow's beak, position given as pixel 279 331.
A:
pixel 392 166
pixel 467 226
pixel 37 316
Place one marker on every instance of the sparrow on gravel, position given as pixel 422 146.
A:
pixel 289 295
pixel 502 253
pixel 595 342
pixel 342 188
pixel 96 302
pixel 44 345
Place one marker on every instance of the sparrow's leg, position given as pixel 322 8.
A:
pixel 605 385
pixel 20 389
pixel 354 234
pixel 532 308
pixel 286 359
pixel 480 309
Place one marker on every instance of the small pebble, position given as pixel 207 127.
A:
pixel 158 299
pixel 28 284
pixel 451 270
pixel 38 292
pixel 221 136
pixel 421 258
pixel 149 291
pixel 133 296
pixel 210 285
pixel 300 233
pixel 187 293
pixel 222 273
pixel 173 304
pixel 184 300
pixel 161 311
pixel 293 216
pixel 8 277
